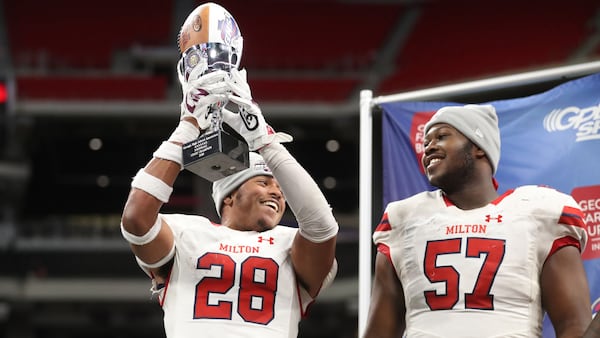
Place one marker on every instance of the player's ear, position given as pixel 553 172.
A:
pixel 479 153
pixel 227 200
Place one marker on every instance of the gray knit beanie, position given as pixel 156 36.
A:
pixel 479 123
pixel 225 186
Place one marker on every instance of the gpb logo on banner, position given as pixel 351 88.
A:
pixel 586 121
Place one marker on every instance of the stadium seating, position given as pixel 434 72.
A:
pixel 311 34
pixel 131 87
pixel 337 42
pixel 455 41
pixel 67 34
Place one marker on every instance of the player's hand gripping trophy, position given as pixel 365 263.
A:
pixel 211 46
pixel 216 94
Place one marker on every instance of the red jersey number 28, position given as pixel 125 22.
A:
pixel 257 288
pixel 480 297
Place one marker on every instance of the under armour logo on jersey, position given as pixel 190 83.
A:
pixel 489 218
pixel 271 240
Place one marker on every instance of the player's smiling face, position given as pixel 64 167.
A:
pixel 259 203
pixel 448 158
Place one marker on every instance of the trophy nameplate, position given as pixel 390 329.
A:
pixel 215 155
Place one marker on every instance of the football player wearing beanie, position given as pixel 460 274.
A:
pixel 244 275
pixel 465 261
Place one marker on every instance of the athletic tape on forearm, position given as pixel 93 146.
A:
pixel 170 151
pixel 313 213
pixel 152 185
pixel 160 263
pixel 145 238
pixel 184 133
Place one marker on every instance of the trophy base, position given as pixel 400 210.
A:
pixel 215 155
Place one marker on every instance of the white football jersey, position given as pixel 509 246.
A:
pixel 228 283
pixel 475 273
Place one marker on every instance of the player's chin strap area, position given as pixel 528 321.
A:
pixel 315 219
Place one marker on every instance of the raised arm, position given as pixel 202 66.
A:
pixel 313 251
pixel 151 238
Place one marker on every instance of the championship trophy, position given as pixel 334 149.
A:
pixel 211 38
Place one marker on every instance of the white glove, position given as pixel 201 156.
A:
pixel 238 83
pixel 251 125
pixel 204 95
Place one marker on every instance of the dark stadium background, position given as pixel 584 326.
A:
pixel 91 91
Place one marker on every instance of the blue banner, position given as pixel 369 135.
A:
pixel 552 139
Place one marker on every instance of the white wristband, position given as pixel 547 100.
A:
pixel 184 133
pixel 170 151
pixel 152 185
pixel 160 263
pixel 145 238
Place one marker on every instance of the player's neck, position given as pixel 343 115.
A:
pixel 473 196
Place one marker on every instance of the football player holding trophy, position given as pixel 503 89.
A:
pixel 246 274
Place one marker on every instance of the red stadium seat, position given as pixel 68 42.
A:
pixel 77 34
pixel 451 41
pixel 91 88
pixel 455 41
pixel 310 34
pixel 303 89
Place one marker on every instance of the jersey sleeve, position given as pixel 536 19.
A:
pixel 390 229
pixel 383 234
pixel 571 223
pixel 563 224
pixel 177 223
